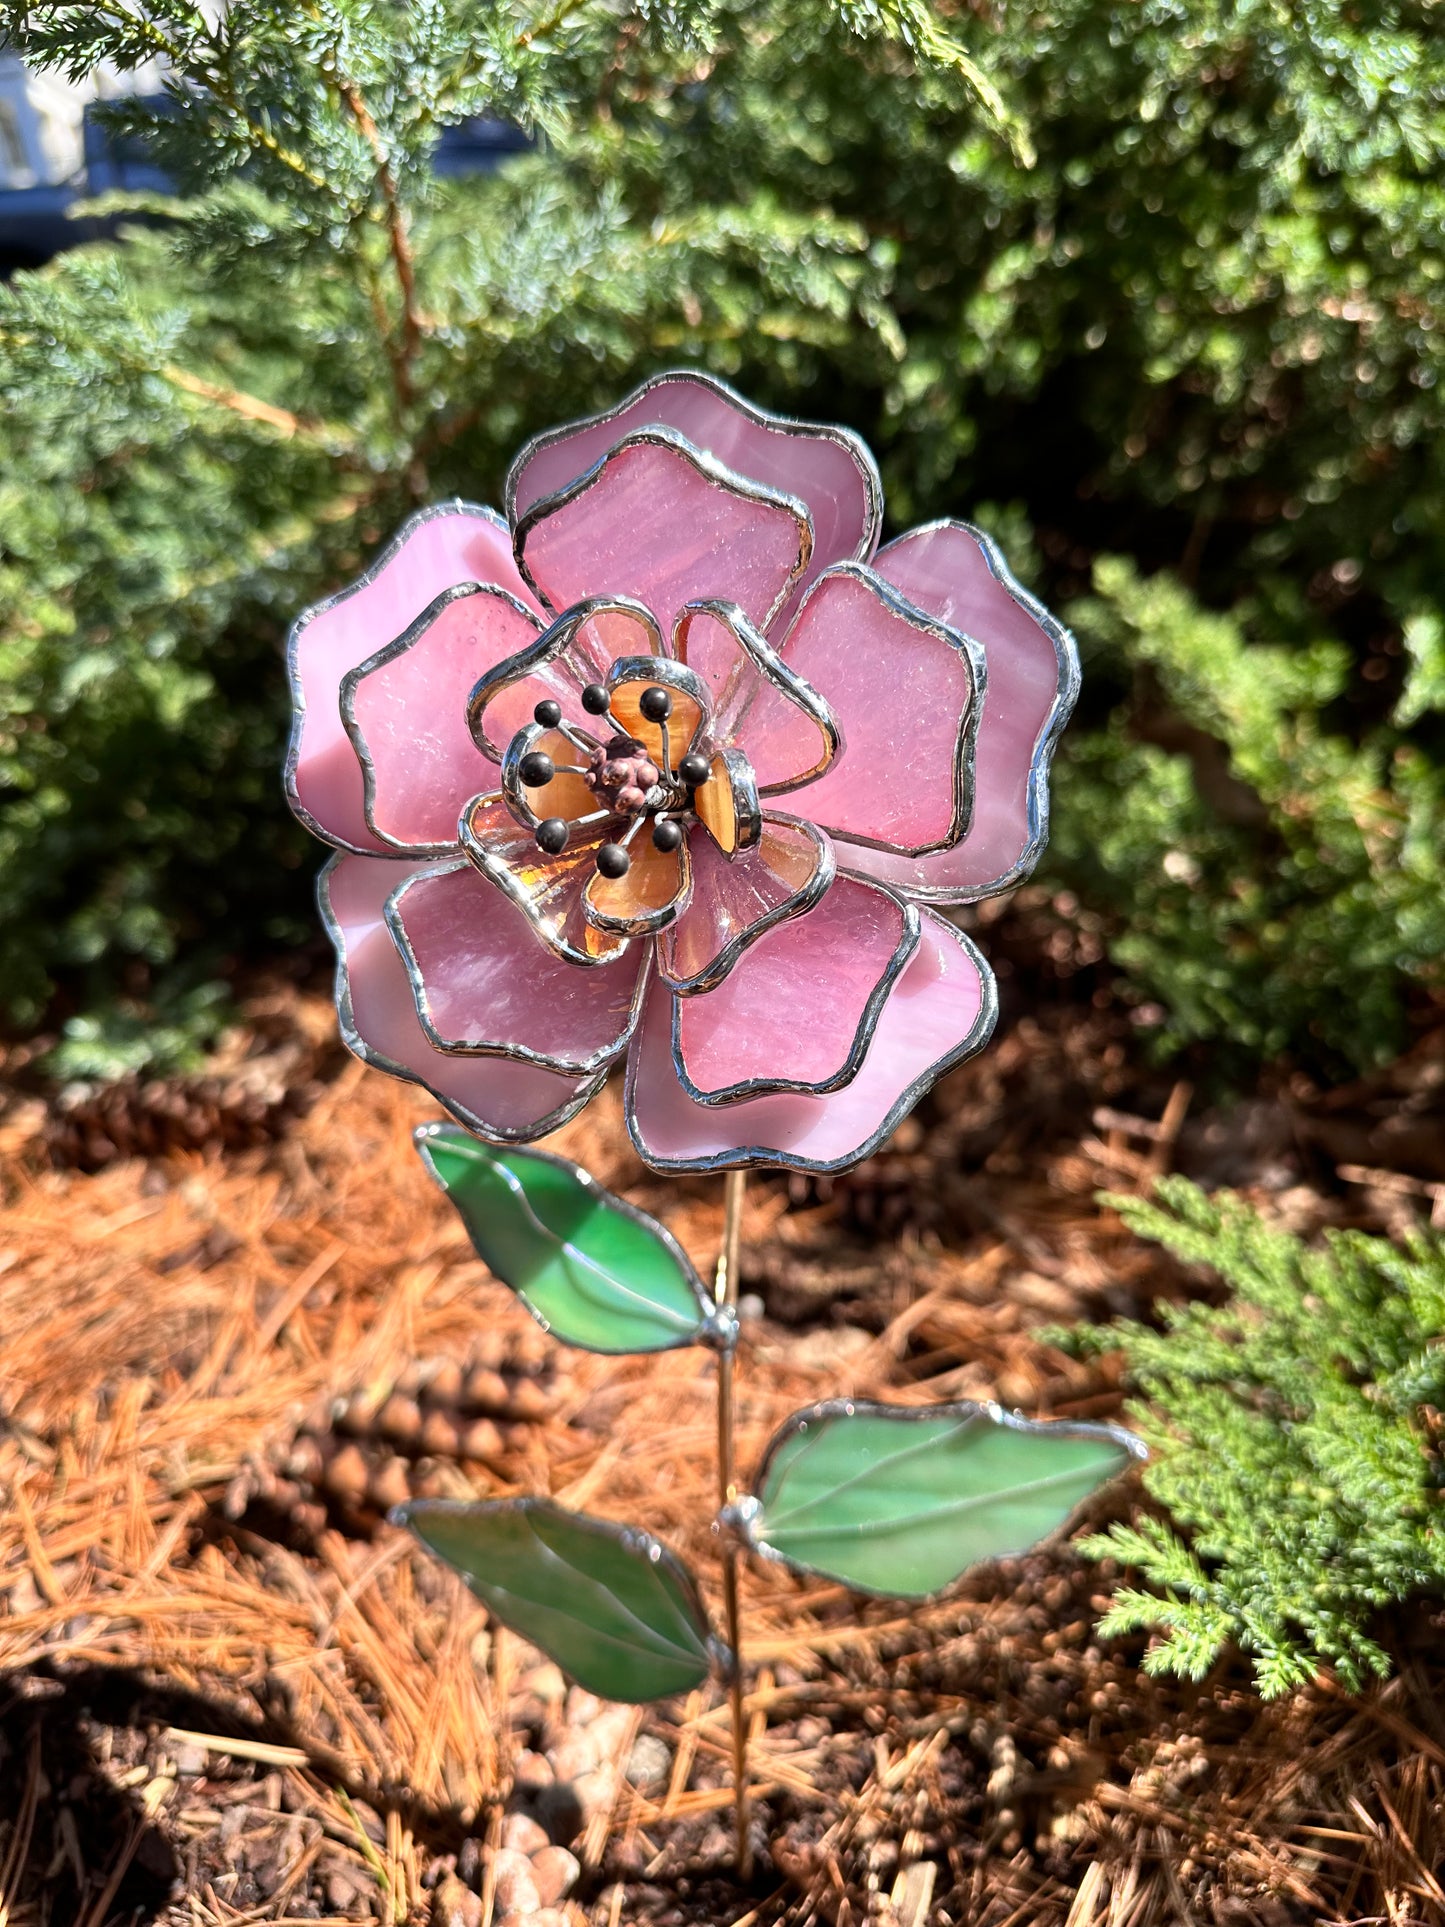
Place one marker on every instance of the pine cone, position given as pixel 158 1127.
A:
pixel 349 1462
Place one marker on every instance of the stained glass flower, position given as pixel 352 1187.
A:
pixel 675 764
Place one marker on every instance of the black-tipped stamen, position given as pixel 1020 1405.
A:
pixel 579 738
pixel 666 808
pixel 530 769
pixel 597 701
pixel 548 713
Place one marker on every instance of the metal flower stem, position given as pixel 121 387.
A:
pixel 726 1293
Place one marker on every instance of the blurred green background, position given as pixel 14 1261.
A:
pixel 1153 289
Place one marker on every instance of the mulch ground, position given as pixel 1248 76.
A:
pixel 239 1323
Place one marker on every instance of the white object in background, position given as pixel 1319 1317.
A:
pixel 41 116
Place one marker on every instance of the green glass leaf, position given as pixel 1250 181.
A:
pixel 613 1607
pixel 593 1269
pixel 903 1499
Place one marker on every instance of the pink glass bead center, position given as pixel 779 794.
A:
pixel 622 774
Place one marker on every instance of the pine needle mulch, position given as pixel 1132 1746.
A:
pixel 230 1692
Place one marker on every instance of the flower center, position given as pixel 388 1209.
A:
pixel 622 773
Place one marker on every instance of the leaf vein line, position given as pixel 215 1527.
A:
pixel 571 1252
pixel 567 1566
pixel 664 1651
pixel 946 1509
pixel 875 1466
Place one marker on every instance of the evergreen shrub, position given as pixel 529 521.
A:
pixel 1296 1440
pixel 1268 880
pixel 1159 279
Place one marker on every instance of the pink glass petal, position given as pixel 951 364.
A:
pixel 442 546
pixel 493 1096
pixel 735 899
pixel 1033 677
pixel 409 717
pixel 653 525
pixel 485 981
pixel 903 694
pixel 829 469
pixel 941 1010
pixel 801 1005
pixel 783 737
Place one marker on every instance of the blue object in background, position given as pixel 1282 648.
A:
pixel 35 218
pixel 115 161
pixel 477 145
pixel 34 224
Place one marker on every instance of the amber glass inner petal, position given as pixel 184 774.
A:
pixel 654 890
pixel 549 888
pixel 566 795
pixel 578 649
pixel 682 725
pixel 727 803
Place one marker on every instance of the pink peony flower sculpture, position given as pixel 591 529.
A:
pixel 670 765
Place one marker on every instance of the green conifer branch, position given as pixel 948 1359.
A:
pixel 402 345
pixel 548 25
pixel 147 37
pixel 1289 1444
pixel 1236 282
pixel 915 24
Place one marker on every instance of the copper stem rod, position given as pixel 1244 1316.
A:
pixel 726 1293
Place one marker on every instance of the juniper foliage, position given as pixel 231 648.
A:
pixel 1296 1444
pixel 208 424
pixel 1158 280
pixel 1272 878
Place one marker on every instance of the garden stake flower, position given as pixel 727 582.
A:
pixel 675 765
